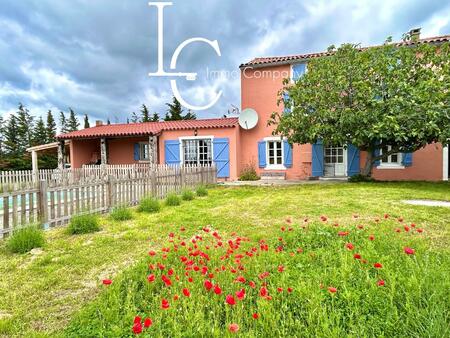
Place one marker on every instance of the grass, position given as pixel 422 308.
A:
pixel 149 205
pixel 187 195
pixel 173 200
pixel 64 282
pixel 201 191
pixel 26 239
pixel 83 224
pixel 121 213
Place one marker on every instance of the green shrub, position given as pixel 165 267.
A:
pixel 83 224
pixel 248 173
pixel 201 191
pixel 121 213
pixel 187 195
pixel 360 178
pixel 173 200
pixel 149 204
pixel 25 239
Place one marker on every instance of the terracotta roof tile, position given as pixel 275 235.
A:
pixel 267 61
pixel 147 128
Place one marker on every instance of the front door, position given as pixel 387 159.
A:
pixel 334 161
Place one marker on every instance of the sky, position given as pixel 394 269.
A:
pixel 95 56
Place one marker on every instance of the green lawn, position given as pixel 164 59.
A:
pixel 42 295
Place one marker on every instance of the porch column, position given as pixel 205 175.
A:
pixel 103 156
pixel 61 155
pixel 35 165
pixel 153 149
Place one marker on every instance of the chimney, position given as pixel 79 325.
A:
pixel 98 123
pixel 414 34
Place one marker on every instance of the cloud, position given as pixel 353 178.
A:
pixel 94 56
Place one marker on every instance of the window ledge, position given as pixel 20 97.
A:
pixel 390 166
pixel 275 167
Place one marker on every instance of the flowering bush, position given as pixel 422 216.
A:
pixel 315 277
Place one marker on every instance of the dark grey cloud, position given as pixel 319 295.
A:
pixel 94 56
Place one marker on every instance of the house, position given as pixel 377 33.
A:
pixel 223 142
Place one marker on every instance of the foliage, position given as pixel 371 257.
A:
pixel 72 122
pixel 121 213
pixel 173 200
pixel 63 123
pixel 249 173
pixel 40 132
pixel 51 128
pixel 187 195
pixel 201 191
pixel 149 204
pixel 175 112
pixel 155 117
pixel 388 95
pixel 145 114
pixel 360 178
pixel 86 122
pixel 26 239
pixel 134 118
pixel 307 278
pixel 83 224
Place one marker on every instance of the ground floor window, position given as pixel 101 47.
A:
pixel 392 159
pixel 275 153
pixel 197 152
pixel 144 151
pixel 334 155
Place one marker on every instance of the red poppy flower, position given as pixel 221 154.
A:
pixel 190 280
pixel 371 237
pixel 186 292
pixel 255 315
pixel 107 282
pixel 332 289
pixel 406 228
pixel 217 290
pixel 240 279
pixel 263 292
pixel 137 319
pixel 280 268
pixel 280 289
pixel 175 297
pixel 409 251
pixel 386 216
pixel 233 328
pixel 380 282
pixel 208 285
pixel 290 290
pixel 240 294
pixel 148 322
pixel 151 278
pixel 419 231
pixel 349 246
pixel 152 253
pixel 357 256
pixel 252 284
pixel 230 300
pixel 137 328
pixel 165 304
pixel 342 233
pixel 378 265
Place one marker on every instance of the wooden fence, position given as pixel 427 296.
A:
pixel 54 204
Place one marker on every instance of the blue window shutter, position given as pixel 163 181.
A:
pixel 317 159
pixel 298 70
pixel 172 152
pixel 287 109
pixel 407 159
pixel 136 151
pixel 352 160
pixel 262 154
pixel 287 148
pixel 221 151
pixel 377 152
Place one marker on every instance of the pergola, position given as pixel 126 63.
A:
pixel 48 148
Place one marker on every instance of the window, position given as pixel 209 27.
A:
pixel 197 152
pixel 391 160
pixel 334 155
pixel 275 153
pixel 143 151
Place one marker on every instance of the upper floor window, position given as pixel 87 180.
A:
pixel 298 70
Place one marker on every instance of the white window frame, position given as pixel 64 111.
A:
pixel 274 166
pixel 141 145
pixel 187 138
pixel 389 164
pixel 292 69
pixel 445 160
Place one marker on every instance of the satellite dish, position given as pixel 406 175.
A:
pixel 248 118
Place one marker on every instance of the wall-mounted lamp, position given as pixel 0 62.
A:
pixel 195 132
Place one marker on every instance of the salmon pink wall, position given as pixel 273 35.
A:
pixel 427 165
pixel 82 151
pixel 121 150
pixel 259 90
pixel 231 133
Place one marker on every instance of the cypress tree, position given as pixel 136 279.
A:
pixel 11 143
pixel 175 111
pixel 72 121
pixel 155 117
pixel 145 114
pixel 190 115
pixel 63 123
pixel 134 118
pixel 40 133
pixel 51 127
pixel 24 129
pixel 108 121
pixel 86 122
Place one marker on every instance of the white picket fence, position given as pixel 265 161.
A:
pixel 94 190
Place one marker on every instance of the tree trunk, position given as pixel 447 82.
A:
pixel 367 170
